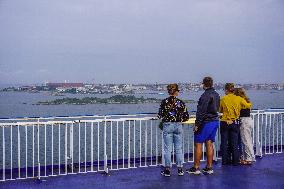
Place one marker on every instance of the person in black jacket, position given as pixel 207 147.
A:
pixel 206 125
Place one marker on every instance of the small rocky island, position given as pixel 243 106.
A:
pixel 117 99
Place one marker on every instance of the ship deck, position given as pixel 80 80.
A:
pixel 267 172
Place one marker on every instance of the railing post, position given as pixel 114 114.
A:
pixel 66 148
pixel 105 152
pixel 4 162
pixel 38 159
pixel 258 150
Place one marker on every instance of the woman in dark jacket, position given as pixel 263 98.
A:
pixel 173 112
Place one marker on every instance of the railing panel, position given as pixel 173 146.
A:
pixel 49 147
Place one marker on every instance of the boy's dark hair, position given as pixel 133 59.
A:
pixel 230 87
pixel 207 82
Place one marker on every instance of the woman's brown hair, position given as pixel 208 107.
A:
pixel 172 88
pixel 241 92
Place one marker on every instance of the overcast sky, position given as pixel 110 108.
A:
pixel 141 41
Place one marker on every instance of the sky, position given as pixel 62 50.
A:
pixel 141 41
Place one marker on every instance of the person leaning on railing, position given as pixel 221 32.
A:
pixel 230 107
pixel 247 153
pixel 173 112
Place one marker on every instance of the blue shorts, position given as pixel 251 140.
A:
pixel 208 132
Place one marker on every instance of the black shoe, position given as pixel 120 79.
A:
pixel 166 173
pixel 194 171
pixel 180 172
pixel 207 171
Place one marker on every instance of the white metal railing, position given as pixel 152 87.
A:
pixel 42 147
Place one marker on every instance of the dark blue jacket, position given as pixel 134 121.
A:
pixel 208 107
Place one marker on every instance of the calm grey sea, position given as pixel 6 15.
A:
pixel 20 104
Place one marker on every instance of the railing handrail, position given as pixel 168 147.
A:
pixel 115 115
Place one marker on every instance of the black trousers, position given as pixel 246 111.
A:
pixel 230 142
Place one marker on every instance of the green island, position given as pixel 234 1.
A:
pixel 117 99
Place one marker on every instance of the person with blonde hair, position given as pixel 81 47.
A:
pixel 173 112
pixel 247 152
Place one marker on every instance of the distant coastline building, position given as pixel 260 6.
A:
pixel 64 85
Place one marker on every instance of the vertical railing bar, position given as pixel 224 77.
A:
pixel 140 150
pixel 3 142
pixel 70 141
pixel 258 147
pixel 265 132
pixel 129 144
pixel 151 123
pixel 98 146
pixel 273 133
pixel 183 144
pixel 85 147
pixel 134 143
pixel 216 145
pixel 105 151
pixel 188 146
pixel 111 145
pixel 254 121
pixel 270 125
pixel 146 142
pixel 66 149
pixel 163 155
pixel 72 147
pixel 52 149
pixel 44 149
pixel 156 145
pixel 79 147
pixel 261 138
pixel 281 132
pixel 59 149
pixel 38 160
pixel 117 144
pixel 123 144
pixel 11 154
pixel 253 141
pixel 272 128
pixel 277 121
pixel 26 130
pixel 19 152
pixel 92 147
